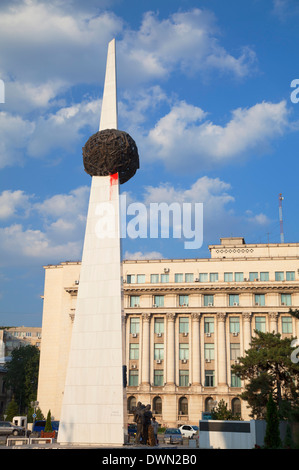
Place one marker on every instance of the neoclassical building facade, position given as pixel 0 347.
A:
pixel 187 321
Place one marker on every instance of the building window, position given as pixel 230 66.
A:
pixel 234 324
pixel 158 378
pixel 279 276
pixel 286 299
pixel 264 276
pixel 154 278
pixel 183 406
pixel 235 380
pixel 239 277
pixel 233 300
pixel 209 351
pixel 133 378
pixel 164 277
pixel 184 325
pixel 134 301
pixel 209 405
pixel 213 277
pixel 159 300
pixel 131 278
pixel 183 300
pixel 209 378
pixel 228 277
pixel 209 325
pixel 259 299
pixel 189 277
pixel 179 277
pixel 286 323
pixel 158 351
pixel 208 300
pixel 234 351
pixel 131 404
pixel 140 278
pixel 157 405
pixel 183 351
pixel 183 378
pixel 134 326
pixel 253 276
pixel 134 351
pixel 159 326
pixel 203 277
pixel 290 275
pixel 260 324
pixel 236 407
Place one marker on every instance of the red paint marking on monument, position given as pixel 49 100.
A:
pixel 113 181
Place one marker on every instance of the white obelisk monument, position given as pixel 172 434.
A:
pixel 94 401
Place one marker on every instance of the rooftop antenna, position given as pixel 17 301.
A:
pixel 280 218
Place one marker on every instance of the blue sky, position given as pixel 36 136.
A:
pixel 204 90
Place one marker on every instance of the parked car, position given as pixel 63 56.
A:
pixel 39 426
pixel 173 436
pixel 132 429
pixel 7 428
pixel 188 431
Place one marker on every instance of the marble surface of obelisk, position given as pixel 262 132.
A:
pixel 94 403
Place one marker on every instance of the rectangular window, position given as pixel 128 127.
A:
pixel 159 300
pixel 158 378
pixel 154 278
pixel 184 325
pixel 208 300
pixel 286 323
pixel 234 324
pixel 209 351
pixel 133 378
pixel 209 378
pixel 264 276
pixel 213 277
pixel 286 299
pixel 134 325
pixel 228 277
pixel 140 278
pixel 159 326
pixel 183 378
pixel 189 277
pixel 253 276
pixel 234 351
pixel 183 300
pixel 290 275
pixel 259 299
pixel 239 277
pixel 260 324
pixel 279 276
pixel 209 325
pixel 233 300
pixel 183 351
pixel 134 301
pixel 164 277
pixel 179 277
pixel 203 277
pixel 131 278
pixel 158 351
pixel 235 380
pixel 134 351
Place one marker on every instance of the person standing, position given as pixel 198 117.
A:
pixel 155 425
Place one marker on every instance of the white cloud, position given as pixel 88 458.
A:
pixel 13 201
pixel 184 138
pixel 139 255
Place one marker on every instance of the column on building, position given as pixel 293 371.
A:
pixel 170 353
pixel 247 329
pixel 145 348
pixel 195 317
pixel 221 352
pixel 273 319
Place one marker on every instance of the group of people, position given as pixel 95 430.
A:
pixel 147 426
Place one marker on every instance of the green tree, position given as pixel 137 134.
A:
pixel 272 436
pixel 11 410
pixel 48 425
pixel 222 413
pixel 267 368
pixel 22 375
